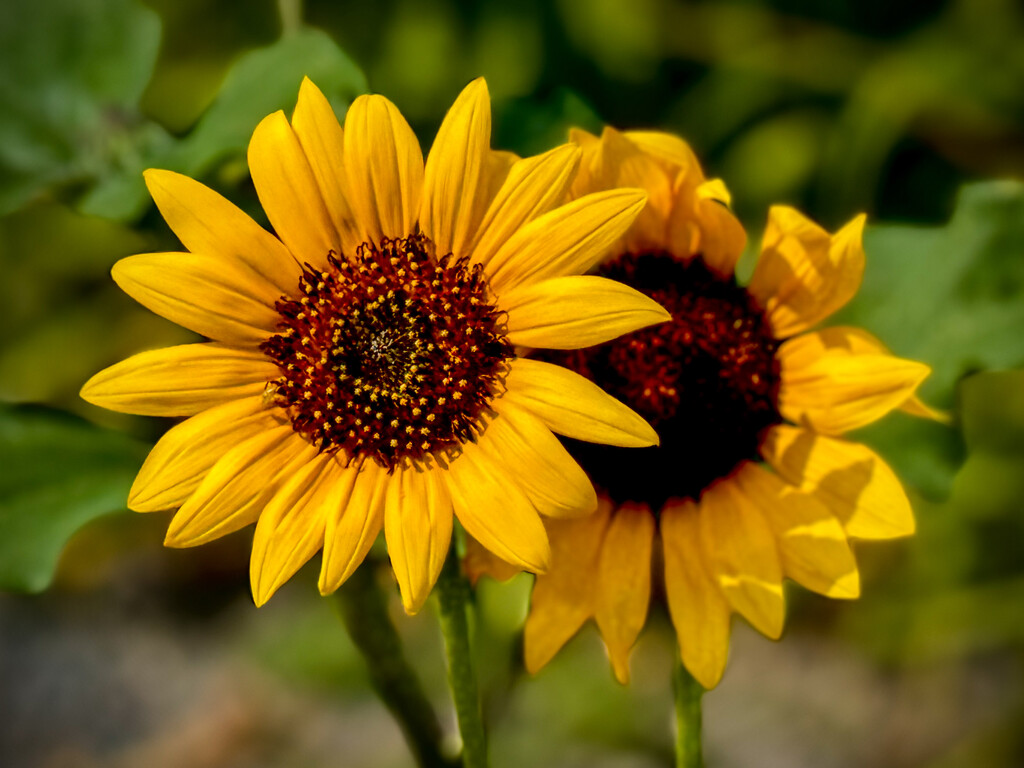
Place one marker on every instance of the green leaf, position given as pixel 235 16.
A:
pixel 262 82
pixel 57 472
pixel 950 297
pixel 73 75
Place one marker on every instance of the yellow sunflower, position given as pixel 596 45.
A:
pixel 361 371
pixel 752 481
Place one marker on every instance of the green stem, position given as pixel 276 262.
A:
pixel 453 595
pixel 290 13
pixel 364 610
pixel 688 719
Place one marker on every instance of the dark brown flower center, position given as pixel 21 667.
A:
pixel 391 354
pixel 707 381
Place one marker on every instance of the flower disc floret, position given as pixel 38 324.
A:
pixel 392 354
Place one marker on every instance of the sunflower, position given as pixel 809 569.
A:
pixel 361 371
pixel 752 481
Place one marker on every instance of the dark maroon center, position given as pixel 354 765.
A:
pixel 391 353
pixel 707 381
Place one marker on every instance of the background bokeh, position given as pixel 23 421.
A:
pixel 116 652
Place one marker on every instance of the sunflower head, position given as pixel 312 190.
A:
pixel 751 481
pixel 361 372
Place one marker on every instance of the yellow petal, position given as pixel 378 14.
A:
pixel 829 387
pixel 624 583
pixel 715 189
pixel 812 544
pixel 456 173
pixel 323 143
pixel 562 598
pixel 574 406
pixel 915 406
pixel 222 300
pixel 383 169
pixel 670 150
pixel 288 191
pixel 621 163
pixel 290 529
pixel 418 529
pixel 804 274
pixel 850 479
pixel 544 470
pixel 354 519
pixel 495 511
pixel 480 561
pixel 569 240
pixel 576 312
pixel 582 137
pixel 699 612
pixel 533 187
pixel 182 457
pixel 719 237
pixel 497 166
pixel 179 381
pixel 844 338
pixel 235 490
pixel 585 181
pixel 208 224
pixel 743 556
pixel 857 341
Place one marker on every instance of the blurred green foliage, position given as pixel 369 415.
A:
pixel 73 75
pixel 73 94
pixel 839 107
pixel 59 472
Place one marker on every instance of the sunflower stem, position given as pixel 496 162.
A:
pixel 290 14
pixel 453 597
pixel 363 607
pixel 688 718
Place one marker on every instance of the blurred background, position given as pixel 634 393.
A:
pixel 116 652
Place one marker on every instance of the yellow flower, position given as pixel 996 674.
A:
pixel 361 371
pixel 752 481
